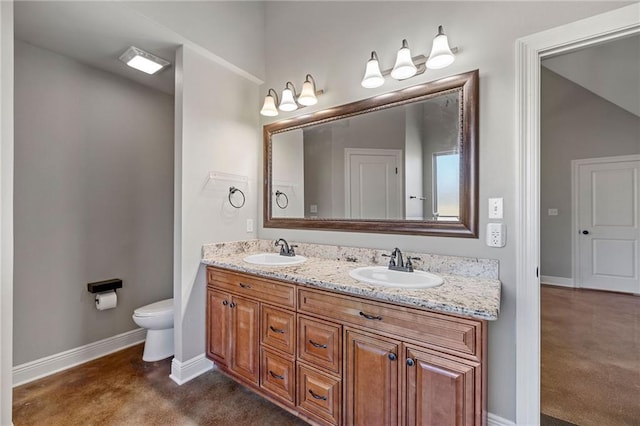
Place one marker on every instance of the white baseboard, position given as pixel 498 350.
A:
pixel 182 372
pixel 30 371
pixel 493 420
pixel 559 281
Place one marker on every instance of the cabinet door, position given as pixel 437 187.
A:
pixel 218 316
pixel 244 338
pixel 441 391
pixel 371 372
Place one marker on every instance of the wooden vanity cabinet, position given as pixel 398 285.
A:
pixel 336 359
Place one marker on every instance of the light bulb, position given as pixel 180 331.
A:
pixel 269 107
pixel 441 55
pixel 288 103
pixel 372 75
pixel 404 67
pixel 308 94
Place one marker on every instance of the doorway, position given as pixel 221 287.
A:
pixel 530 51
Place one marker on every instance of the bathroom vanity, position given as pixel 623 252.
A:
pixel 333 350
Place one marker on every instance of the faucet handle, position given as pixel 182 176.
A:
pixel 409 263
pixel 291 249
pixel 392 260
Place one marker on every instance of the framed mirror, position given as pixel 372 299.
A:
pixel 404 162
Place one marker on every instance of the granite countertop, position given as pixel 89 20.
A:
pixel 476 296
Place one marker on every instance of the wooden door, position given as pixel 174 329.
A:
pixel 244 338
pixel 371 374
pixel 218 317
pixel 608 212
pixel 440 391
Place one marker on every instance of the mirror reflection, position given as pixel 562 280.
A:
pixel 395 163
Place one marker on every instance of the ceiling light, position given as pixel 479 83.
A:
pixel 308 94
pixel 143 61
pixel 372 75
pixel 441 55
pixel 404 67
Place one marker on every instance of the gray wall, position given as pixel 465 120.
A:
pixel 335 46
pixel 575 124
pixel 93 200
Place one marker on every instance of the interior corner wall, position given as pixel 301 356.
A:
pixel 486 33
pixel 574 124
pixel 217 130
pixel 6 210
pixel 93 200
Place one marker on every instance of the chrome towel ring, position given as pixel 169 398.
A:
pixel 279 203
pixel 233 190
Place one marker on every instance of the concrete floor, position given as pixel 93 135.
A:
pixel 121 389
pixel 590 343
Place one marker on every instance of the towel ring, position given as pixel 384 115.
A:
pixel 233 190
pixel 286 202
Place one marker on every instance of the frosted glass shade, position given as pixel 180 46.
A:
pixel 269 107
pixel 404 67
pixel 372 75
pixel 308 94
pixel 288 103
pixel 441 55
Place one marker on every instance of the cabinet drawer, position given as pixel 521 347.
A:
pixel 438 330
pixel 251 286
pixel 320 343
pixel 319 395
pixel 278 375
pixel 278 329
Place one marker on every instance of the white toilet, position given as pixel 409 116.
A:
pixel 157 318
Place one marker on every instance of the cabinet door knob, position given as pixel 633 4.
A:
pixel 225 302
pixel 392 356
pixel 410 362
pixel 232 305
pixel 316 396
pixel 585 232
pixel 276 330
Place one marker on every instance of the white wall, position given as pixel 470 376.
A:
pixel 217 129
pixel 93 200
pixel 6 209
pixel 333 42
pixel 574 124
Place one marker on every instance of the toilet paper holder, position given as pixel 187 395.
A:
pixel 102 286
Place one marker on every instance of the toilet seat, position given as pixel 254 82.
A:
pixel 162 307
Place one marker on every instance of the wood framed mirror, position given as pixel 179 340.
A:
pixel 404 162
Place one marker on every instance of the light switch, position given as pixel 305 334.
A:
pixel 313 208
pixel 249 225
pixel 553 212
pixel 495 208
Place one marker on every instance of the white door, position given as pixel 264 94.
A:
pixel 607 218
pixel 373 183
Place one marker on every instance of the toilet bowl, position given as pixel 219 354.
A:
pixel 157 318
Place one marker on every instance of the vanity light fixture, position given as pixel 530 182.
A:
pixel 404 67
pixel 372 76
pixel 288 102
pixel 143 61
pixel 441 55
pixel 407 66
pixel 269 108
pixel 289 99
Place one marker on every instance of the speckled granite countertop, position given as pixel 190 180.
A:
pixel 470 287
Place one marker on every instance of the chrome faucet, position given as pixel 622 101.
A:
pixel 285 248
pixel 396 263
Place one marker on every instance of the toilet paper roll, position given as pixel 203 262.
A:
pixel 106 300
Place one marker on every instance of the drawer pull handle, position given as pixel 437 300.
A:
pixel 317 345
pixel 232 305
pixel 275 376
pixel 371 317
pixel 225 302
pixel 243 285
pixel 276 330
pixel 316 396
pixel 410 362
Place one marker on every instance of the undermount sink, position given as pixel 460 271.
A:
pixel 274 259
pixel 383 276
